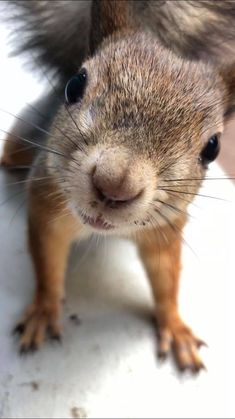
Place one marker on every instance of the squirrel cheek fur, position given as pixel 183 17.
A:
pixel 144 118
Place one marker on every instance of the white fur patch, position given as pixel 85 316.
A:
pixel 87 120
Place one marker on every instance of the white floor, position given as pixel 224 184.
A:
pixel 107 365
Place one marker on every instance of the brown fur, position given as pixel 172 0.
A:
pixel 192 28
pixel 145 117
pixel 49 251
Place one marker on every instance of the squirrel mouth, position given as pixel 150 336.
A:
pixel 98 222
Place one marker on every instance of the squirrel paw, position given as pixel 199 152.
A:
pixel 176 336
pixel 37 321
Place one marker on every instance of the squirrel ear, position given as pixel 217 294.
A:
pixel 107 17
pixel 228 75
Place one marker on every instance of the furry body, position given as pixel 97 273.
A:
pixel 127 157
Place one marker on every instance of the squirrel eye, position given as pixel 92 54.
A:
pixel 75 87
pixel 210 151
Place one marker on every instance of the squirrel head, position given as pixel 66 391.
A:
pixel 143 125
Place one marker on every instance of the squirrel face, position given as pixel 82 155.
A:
pixel 142 124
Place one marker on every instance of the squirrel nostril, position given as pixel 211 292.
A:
pixel 113 201
pixel 114 184
pixel 112 195
pixel 101 196
pixel 110 201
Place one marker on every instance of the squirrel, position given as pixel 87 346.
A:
pixel 149 87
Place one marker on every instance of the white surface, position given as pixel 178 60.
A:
pixel 107 367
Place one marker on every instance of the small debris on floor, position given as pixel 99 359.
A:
pixel 78 413
pixel 75 319
pixel 33 384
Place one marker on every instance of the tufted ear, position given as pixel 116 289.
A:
pixel 107 17
pixel 228 75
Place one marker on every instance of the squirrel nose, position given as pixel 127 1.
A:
pixel 114 190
